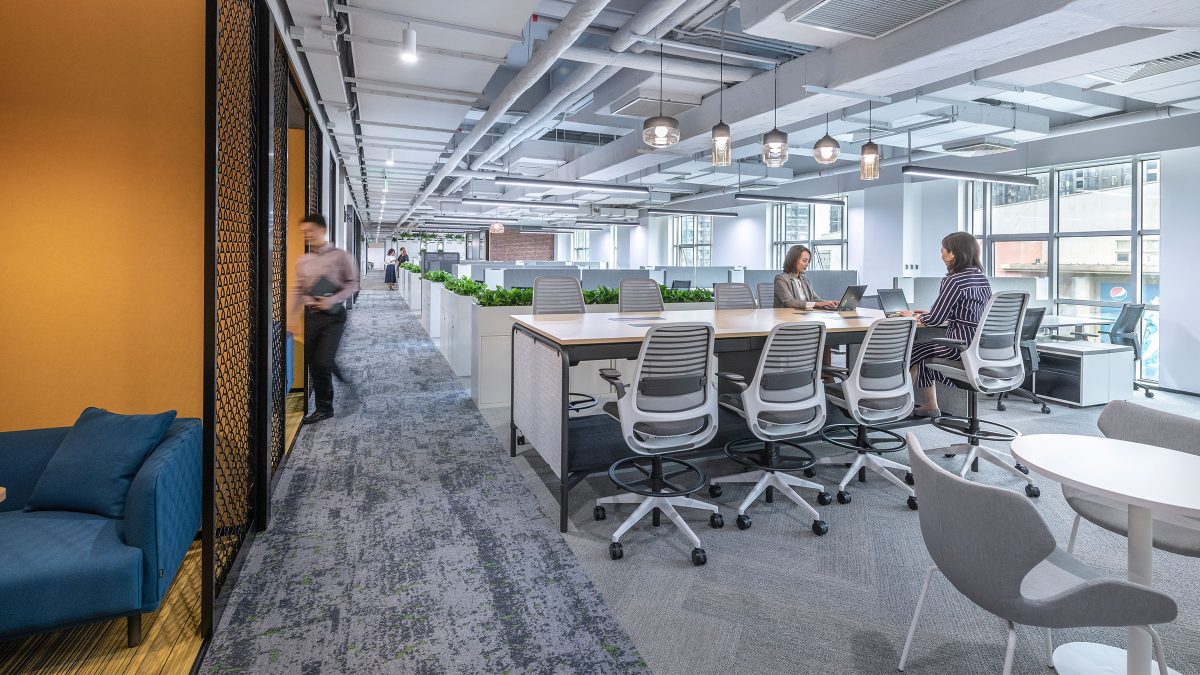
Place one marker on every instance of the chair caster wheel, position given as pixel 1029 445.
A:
pixel 598 513
pixel 1149 394
pixel 716 521
pixel 912 503
pixel 809 473
pixel 948 456
pixel 824 499
pixel 743 522
pixel 1022 468
pixel 698 557
pixel 819 527
pixel 714 491
pixel 1033 491
pixel 521 439
pixel 908 478
pixel 1001 407
pixel 843 497
pixel 616 551
pixel 1045 410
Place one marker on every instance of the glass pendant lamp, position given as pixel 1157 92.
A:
pixel 775 142
pixel 827 150
pixel 660 131
pixel 868 162
pixel 722 136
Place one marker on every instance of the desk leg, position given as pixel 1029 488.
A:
pixel 1141 570
pixel 564 473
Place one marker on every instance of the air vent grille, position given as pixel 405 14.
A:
pixel 978 147
pixel 866 18
pixel 1138 71
pixel 642 106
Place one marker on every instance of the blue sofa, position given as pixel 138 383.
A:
pixel 61 568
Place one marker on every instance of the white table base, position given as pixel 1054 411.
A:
pixel 1089 658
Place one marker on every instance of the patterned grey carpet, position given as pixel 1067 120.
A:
pixel 404 539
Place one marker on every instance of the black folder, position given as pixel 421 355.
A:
pixel 323 288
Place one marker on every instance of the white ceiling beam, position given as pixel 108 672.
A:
pixel 426 49
pixel 343 8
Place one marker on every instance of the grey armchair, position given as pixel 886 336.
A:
pixel 1131 422
pixel 993 547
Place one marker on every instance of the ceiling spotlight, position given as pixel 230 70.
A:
pixel 660 131
pixel 827 149
pixel 391 160
pixel 408 46
pixel 496 228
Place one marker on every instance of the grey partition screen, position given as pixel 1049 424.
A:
pixel 439 260
pixel 610 278
pixel 522 277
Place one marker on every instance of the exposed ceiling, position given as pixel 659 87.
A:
pixel 961 76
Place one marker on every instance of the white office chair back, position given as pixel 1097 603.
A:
pixel 993 360
pixel 672 403
pixel 557 295
pixel 786 398
pixel 766 295
pixel 879 388
pixel 733 295
pixel 639 295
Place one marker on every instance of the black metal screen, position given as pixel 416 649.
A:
pixel 279 221
pixel 235 291
pixel 313 181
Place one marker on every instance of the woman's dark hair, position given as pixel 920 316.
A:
pixel 391 251
pixel 793 257
pixel 316 219
pixel 965 249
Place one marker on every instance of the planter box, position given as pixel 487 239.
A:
pixel 457 317
pixel 415 299
pixel 491 355
pixel 405 285
pixel 431 308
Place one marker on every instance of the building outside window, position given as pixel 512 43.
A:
pixel 580 243
pixel 820 227
pixel 691 240
pixel 1092 242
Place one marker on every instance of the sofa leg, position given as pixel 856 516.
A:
pixel 134 625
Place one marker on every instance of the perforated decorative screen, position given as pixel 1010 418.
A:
pixel 279 221
pixel 313 183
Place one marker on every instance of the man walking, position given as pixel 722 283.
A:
pixel 324 278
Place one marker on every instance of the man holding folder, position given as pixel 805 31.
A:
pixel 324 278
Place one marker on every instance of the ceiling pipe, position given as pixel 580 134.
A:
pixel 572 26
pixel 671 65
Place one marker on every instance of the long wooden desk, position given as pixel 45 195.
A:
pixel 545 346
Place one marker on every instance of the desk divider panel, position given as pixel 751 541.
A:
pixel 701 277
pixel 522 277
pixel 538 389
pixel 610 278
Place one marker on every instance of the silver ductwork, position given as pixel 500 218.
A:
pixel 671 65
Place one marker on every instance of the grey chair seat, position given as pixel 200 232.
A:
pixel 1169 535
pixel 782 418
pixel 837 395
pixel 661 430
pixel 956 371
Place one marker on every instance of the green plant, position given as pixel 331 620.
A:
pixel 411 267
pixel 603 295
pixel 464 286
pixel 671 295
pixel 437 276
pixel 505 297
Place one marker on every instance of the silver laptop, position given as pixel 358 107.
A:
pixel 892 301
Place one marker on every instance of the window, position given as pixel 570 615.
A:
pixel 1096 199
pixel 691 240
pixel 820 227
pixel 580 243
pixel 1024 259
pixel 1094 268
pixel 1021 209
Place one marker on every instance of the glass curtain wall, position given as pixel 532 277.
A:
pixel 820 227
pixel 1088 234
pixel 691 241
pixel 580 244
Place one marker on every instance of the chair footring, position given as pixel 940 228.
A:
pixel 743 450
pixel 654 482
pixel 981 429
pixel 858 437
pixel 577 402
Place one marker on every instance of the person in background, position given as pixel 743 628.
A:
pixel 963 294
pixel 389 269
pixel 324 278
pixel 792 288
pixel 403 257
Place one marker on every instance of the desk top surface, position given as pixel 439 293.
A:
pixel 610 327
pixel 1061 321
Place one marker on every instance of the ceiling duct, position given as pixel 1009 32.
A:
pixel 640 105
pixel 978 147
pixel 1139 71
pixel 864 18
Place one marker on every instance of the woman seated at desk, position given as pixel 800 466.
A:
pixel 792 288
pixel 959 304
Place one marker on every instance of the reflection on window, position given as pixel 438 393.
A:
pixel 1023 259
pixel 1022 209
pixel 1095 198
pixel 1095 268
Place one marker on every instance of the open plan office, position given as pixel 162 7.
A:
pixel 601 336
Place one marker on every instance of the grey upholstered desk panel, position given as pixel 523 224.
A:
pixel 610 278
pixel 522 277
pixel 829 284
pixel 701 277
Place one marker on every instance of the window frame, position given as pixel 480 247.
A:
pixel 779 243
pixel 678 223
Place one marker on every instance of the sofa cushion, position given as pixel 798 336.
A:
pixel 92 468
pixel 58 568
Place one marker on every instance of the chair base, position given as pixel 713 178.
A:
pixel 763 480
pixel 1001 459
pixel 647 504
pixel 863 460
pixel 1021 393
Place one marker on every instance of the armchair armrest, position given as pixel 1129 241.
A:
pixel 613 377
pixel 23 457
pixel 162 509
pixel 737 381
pixel 947 342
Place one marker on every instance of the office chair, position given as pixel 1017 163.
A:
pixel 784 401
pixel 672 408
pixel 1030 328
pixel 1126 331
pixel 876 390
pixel 562 295
pixel 639 295
pixel 681 284
pixel 990 364
pixel 993 547
pixel 766 295
pixel 733 295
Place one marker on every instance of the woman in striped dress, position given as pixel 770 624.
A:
pixel 959 305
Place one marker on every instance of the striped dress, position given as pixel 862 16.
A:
pixel 959 305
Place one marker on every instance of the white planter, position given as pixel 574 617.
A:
pixel 415 295
pixel 491 355
pixel 457 318
pixel 431 308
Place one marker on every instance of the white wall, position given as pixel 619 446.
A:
pixel 635 244
pixel 939 217
pixel 875 228
pixel 741 242
pixel 1179 321
pixel 658 247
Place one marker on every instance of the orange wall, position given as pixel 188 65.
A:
pixel 296 201
pixel 102 186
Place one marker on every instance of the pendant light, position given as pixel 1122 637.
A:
pixel 661 131
pixel 827 150
pixel 408 45
pixel 868 162
pixel 775 142
pixel 722 136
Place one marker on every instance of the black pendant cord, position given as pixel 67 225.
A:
pixel 660 79
pixel 721 84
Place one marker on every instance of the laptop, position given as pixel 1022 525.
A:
pixel 892 301
pixel 848 305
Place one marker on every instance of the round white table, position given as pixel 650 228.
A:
pixel 1148 480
